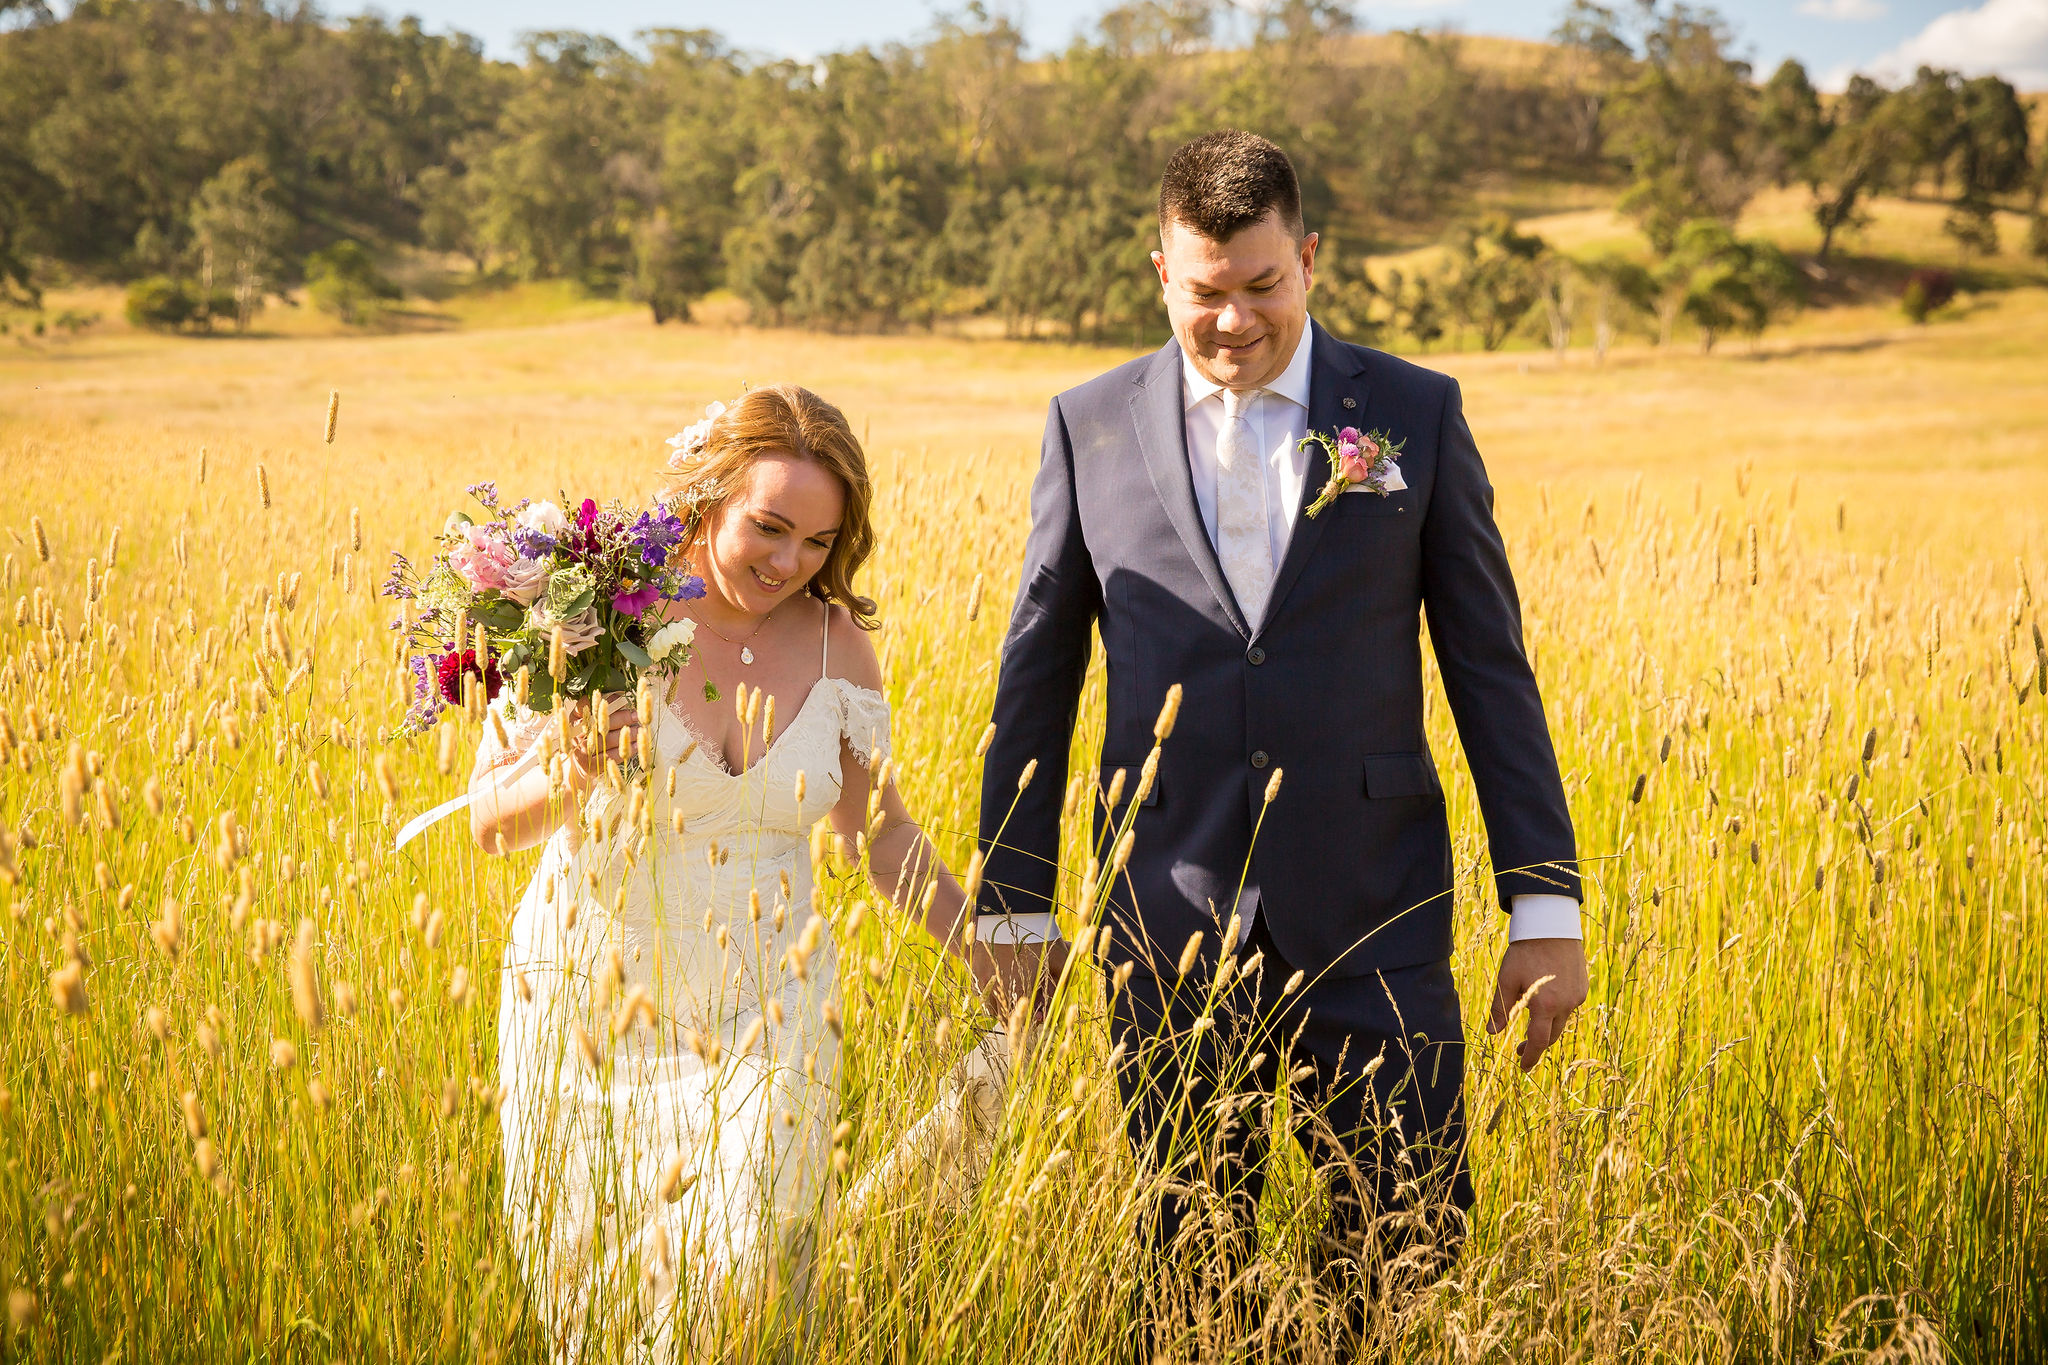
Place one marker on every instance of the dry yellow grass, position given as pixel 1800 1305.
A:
pixel 1785 610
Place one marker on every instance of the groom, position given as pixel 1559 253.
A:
pixel 1169 514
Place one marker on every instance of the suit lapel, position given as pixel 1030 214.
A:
pixel 1334 375
pixel 1161 423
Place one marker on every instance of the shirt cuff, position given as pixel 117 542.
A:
pixel 1540 916
pixel 994 926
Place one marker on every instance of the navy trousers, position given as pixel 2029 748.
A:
pixel 1375 1066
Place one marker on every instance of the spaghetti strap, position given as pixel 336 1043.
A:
pixel 825 644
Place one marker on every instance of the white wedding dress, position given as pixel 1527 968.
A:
pixel 667 1042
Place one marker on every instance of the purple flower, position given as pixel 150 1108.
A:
pixel 639 599
pixel 530 543
pixel 691 588
pixel 485 493
pixel 1350 436
pixel 427 703
pixel 396 585
pixel 654 533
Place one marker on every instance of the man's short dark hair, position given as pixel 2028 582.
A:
pixel 1225 181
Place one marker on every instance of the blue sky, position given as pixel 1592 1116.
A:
pixel 1833 37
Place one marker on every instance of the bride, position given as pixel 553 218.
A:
pixel 668 1034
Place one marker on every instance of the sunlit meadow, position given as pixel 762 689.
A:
pixel 1785 608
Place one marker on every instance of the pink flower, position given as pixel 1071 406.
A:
pixel 525 580
pixel 481 558
pixel 1356 455
pixel 634 600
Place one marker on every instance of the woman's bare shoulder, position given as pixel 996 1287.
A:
pixel 850 651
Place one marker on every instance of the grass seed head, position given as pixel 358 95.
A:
pixel 675 1180
pixel 1169 712
pixel 305 986
pixel 67 988
pixel 168 931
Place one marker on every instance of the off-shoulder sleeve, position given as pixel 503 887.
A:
pixel 867 723
pixel 523 728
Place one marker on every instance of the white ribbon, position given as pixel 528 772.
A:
pixel 418 824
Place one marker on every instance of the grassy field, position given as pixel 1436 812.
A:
pixel 1785 608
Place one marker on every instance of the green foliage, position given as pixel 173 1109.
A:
pixel 241 232
pixel 161 304
pixel 1866 139
pixel 1722 282
pixel 343 280
pixel 1347 299
pixel 905 185
pixel 1971 135
pixel 1685 125
pixel 1622 291
pixel 164 303
pixel 1493 279
pixel 1789 125
pixel 1972 226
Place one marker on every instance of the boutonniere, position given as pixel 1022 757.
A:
pixel 1358 459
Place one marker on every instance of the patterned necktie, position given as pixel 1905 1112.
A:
pixel 1243 543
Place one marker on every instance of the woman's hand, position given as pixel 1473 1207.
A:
pixel 621 731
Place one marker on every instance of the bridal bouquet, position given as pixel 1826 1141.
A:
pixel 562 596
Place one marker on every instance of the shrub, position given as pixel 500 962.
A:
pixel 344 281
pixel 1926 291
pixel 161 303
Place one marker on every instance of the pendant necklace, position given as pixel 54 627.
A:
pixel 746 654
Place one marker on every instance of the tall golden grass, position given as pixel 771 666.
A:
pixel 1787 617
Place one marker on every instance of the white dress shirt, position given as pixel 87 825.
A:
pixel 1278 415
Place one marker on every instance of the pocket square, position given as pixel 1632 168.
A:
pixel 1392 482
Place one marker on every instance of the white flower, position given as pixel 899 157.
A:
pixel 691 439
pixel 544 517
pixel 677 634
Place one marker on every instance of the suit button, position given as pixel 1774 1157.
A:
pixel 1257 654
pixel 1259 759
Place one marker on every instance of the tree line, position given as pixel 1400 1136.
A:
pixel 218 153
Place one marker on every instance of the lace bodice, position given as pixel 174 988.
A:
pixel 835 713
pixel 763 799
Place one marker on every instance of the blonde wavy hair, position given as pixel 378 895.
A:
pixel 791 421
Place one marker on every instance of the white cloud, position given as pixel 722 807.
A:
pixel 2006 38
pixel 1846 11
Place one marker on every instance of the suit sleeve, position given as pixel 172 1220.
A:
pixel 1475 626
pixel 1038 691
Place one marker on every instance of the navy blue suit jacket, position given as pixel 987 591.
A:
pixel 1352 865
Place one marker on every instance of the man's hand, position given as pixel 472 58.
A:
pixel 1552 973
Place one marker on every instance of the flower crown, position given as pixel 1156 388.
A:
pixel 684 447
pixel 692 439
